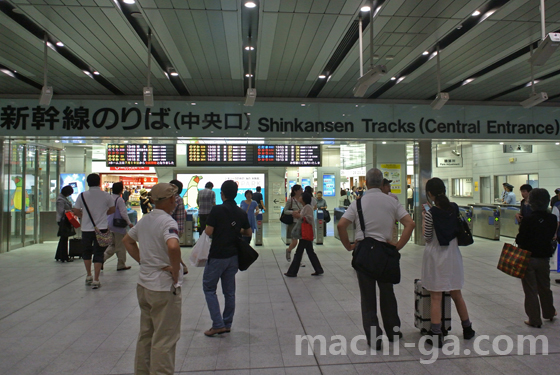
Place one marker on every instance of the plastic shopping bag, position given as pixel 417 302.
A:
pixel 200 251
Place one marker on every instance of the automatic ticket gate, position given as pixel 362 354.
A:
pixel 319 227
pixel 259 234
pixel 338 212
pixel 509 226
pixel 486 221
pixel 467 214
pixel 187 239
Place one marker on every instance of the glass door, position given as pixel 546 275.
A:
pixel 31 195
pixel 16 195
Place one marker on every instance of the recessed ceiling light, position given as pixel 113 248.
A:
pixel 443 143
pixel 425 53
pixel 96 73
pixel 56 141
pixel 322 76
pixel 125 141
pixel 174 74
pixel 248 75
pixel 249 48
pixel 136 103
pixel 557 143
pixel 250 4
pixel 303 104
pixel 365 8
pixel 193 103
pixel 393 78
pixel 129 1
pixel 384 142
pixel 501 143
pixel 60 44
pixel 476 13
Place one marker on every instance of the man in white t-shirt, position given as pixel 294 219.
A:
pixel 380 213
pixel 159 283
pixel 92 207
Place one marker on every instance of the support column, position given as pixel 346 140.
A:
pixel 422 173
pixel 371 155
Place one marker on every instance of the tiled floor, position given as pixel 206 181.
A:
pixel 50 323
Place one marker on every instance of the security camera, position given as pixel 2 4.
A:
pixel 368 79
pixel 534 100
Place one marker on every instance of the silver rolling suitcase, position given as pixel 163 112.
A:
pixel 422 313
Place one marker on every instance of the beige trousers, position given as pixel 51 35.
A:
pixel 117 247
pixel 160 329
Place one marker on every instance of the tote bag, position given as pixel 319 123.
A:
pixel 514 261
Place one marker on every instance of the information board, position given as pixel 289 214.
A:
pixel 138 155
pixel 220 155
pixel 289 155
pixel 328 185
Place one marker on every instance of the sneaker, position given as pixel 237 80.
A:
pixel 95 285
pixel 216 331
pixel 89 279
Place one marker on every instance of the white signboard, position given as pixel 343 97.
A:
pixel 450 162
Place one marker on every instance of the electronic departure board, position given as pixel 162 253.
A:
pixel 220 155
pixel 289 155
pixel 141 155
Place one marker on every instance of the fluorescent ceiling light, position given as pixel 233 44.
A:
pixel 400 79
pixel 467 81
pixel 60 44
pixel 487 14
pixel 249 48
pixel 8 73
pixel 129 1
pixel 501 143
pixel 443 143
pixel 174 74
pixel 88 74
pixel 425 53
pixel 377 10
pixel 529 84
pixel 322 76
pixel 193 103
pixel 250 4
pixel 248 75
pixel 557 143
pixel 365 8
pixel 96 73
pixel 384 142
pixel 392 79
pixel 476 13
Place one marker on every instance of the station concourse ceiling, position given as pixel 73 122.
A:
pixel 199 49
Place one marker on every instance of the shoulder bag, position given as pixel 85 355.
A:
pixel 104 239
pixel 464 235
pixel 65 229
pixel 376 259
pixel 246 255
pixel 118 220
pixel 306 230
pixel 285 218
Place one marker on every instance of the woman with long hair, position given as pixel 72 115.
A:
pixel 442 264
pixel 293 205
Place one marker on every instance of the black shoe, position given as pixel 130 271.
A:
pixel 432 335
pixel 397 334
pixel 317 273
pixel 290 275
pixel 468 332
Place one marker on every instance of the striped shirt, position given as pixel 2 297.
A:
pixel 428 227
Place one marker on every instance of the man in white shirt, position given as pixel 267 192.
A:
pixel 380 214
pixel 159 283
pixel 100 204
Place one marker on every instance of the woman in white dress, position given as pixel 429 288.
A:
pixel 442 264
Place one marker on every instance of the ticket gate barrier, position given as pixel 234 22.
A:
pixel 338 212
pixel 486 221
pixel 187 239
pixel 319 227
pixel 259 234
pixel 467 214
pixel 509 226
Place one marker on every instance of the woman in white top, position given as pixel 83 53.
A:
pixel 293 205
pixel 307 245
pixel 442 264
pixel 117 247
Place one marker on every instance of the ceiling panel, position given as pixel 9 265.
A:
pixel 296 41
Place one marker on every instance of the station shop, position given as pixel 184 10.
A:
pixel 36 163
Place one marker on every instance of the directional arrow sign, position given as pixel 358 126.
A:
pixel 278 201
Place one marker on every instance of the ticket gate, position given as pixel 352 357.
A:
pixel 286 232
pixel 338 212
pixel 319 227
pixel 467 214
pixel 486 221
pixel 509 226
pixel 187 239
pixel 259 234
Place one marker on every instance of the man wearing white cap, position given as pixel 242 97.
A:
pixel 159 283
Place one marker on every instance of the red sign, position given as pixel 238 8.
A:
pixel 129 168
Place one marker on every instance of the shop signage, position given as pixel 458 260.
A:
pixel 71 120
pixel 393 172
pixel 129 168
pixel 517 148
pixel 449 162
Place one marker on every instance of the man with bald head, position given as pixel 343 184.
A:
pixel 380 212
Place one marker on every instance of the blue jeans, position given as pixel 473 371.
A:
pixel 224 269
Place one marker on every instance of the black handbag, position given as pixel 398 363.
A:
pixel 376 259
pixel 65 229
pixel 464 235
pixel 246 255
pixel 285 218
pixel 118 222
pixel 326 216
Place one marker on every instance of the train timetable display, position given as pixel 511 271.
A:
pixel 220 155
pixel 141 155
pixel 289 155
